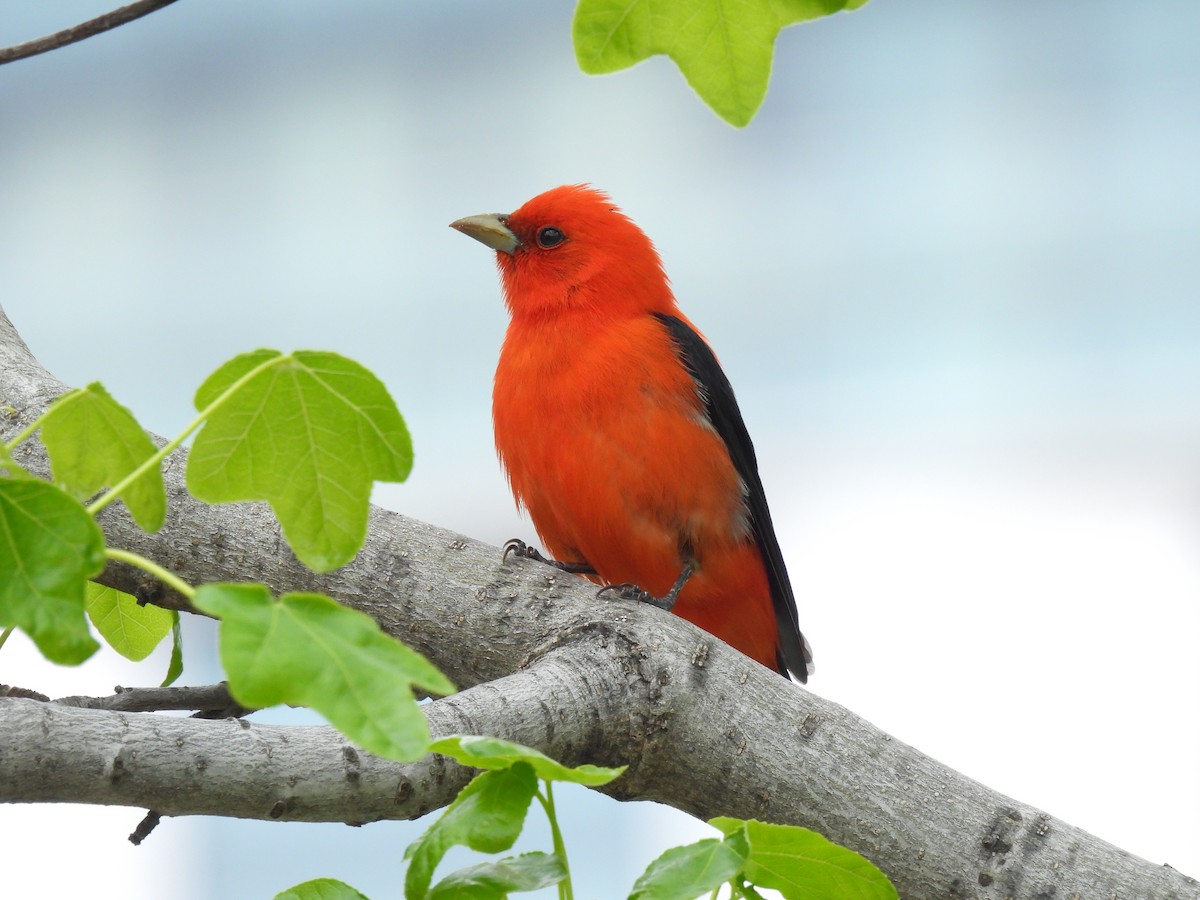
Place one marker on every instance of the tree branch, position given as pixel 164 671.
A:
pixel 702 727
pixel 209 698
pixel 228 767
pixel 83 30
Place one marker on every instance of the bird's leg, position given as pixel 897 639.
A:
pixel 518 547
pixel 666 601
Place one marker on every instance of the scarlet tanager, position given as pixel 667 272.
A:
pixel 620 434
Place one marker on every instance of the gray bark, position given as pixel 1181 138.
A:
pixel 542 662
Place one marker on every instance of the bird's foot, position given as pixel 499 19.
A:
pixel 635 594
pixel 519 548
pixel 666 602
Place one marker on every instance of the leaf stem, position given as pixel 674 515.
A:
pixel 748 891
pixel 565 891
pixel 27 432
pixel 115 491
pixel 167 577
pixel 6 633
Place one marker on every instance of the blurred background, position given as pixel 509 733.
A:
pixel 951 269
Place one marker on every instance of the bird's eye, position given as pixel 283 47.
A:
pixel 550 237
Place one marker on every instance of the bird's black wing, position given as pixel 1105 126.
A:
pixel 792 653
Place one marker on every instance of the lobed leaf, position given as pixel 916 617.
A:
pixel 321 889
pixel 486 816
pixel 49 548
pixel 494 753
pixel 94 442
pixel 309 433
pixel 684 873
pixel 800 863
pixel 229 373
pixel 132 629
pixel 722 47
pixel 496 880
pixel 308 650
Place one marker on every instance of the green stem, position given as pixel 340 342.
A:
pixel 7 632
pixel 748 891
pixel 26 433
pixel 112 493
pixel 565 891
pixel 167 577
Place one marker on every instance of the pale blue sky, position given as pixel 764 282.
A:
pixel 951 270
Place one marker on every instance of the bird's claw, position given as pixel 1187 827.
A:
pixel 635 594
pixel 520 549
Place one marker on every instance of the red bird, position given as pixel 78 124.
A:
pixel 620 434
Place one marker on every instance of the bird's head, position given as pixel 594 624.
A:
pixel 572 249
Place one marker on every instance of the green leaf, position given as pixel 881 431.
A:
pixel 802 864
pixel 486 816
pixel 308 434
pixel 684 873
pixel 131 629
pixel 94 442
pixel 229 373
pixel 321 889
pixel 496 880
pixel 49 548
pixel 175 666
pixel 308 650
pixel 494 753
pixel 10 467
pixel 722 47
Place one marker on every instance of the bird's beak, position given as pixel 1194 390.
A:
pixel 492 230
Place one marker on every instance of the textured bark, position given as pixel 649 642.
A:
pixel 544 663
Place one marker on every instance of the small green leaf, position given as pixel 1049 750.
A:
pixel 486 816
pixel 131 629
pixel 308 650
pixel 684 873
pixel 801 864
pixel 175 666
pixel 309 435
pixel 494 753
pixel 723 48
pixel 321 889
pixel 94 442
pixel 496 880
pixel 49 548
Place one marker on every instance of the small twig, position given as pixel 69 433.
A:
pixel 81 31
pixel 147 825
pixel 232 711
pixel 212 700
